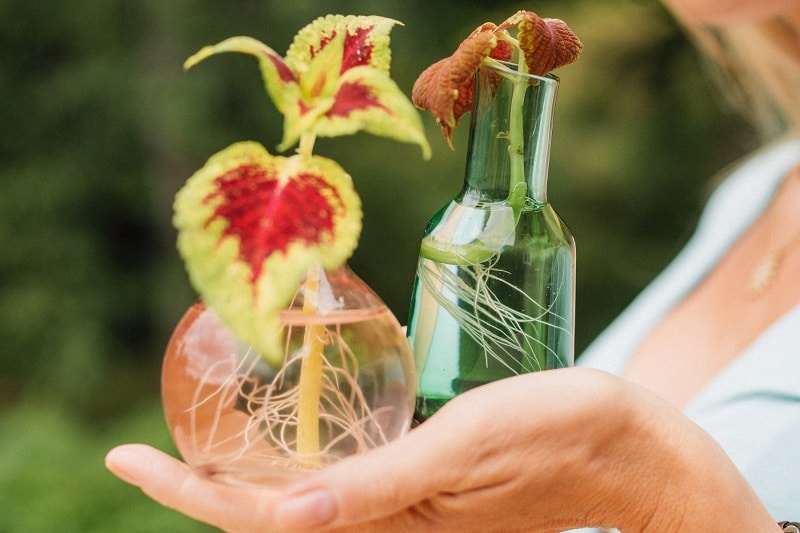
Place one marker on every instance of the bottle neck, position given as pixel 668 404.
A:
pixel 509 145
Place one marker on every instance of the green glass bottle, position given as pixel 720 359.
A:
pixel 494 293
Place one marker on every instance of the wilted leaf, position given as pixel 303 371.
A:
pixel 446 87
pixel 546 43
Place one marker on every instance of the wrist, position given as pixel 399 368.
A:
pixel 694 482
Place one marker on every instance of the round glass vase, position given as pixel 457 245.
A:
pixel 494 291
pixel 346 384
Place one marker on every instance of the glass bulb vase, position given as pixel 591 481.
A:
pixel 241 420
pixel 494 291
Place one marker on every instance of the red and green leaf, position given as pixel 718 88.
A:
pixel 324 72
pixel 279 80
pixel 446 87
pixel 364 42
pixel 251 224
pixel 367 99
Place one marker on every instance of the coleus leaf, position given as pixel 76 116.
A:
pixel 546 43
pixel 446 87
pixel 369 100
pixel 279 80
pixel 365 42
pixel 251 224
pixel 316 80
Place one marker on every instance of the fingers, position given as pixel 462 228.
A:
pixel 371 486
pixel 386 481
pixel 173 484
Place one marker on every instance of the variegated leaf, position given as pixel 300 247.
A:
pixel 251 224
pixel 279 80
pixel 367 99
pixel 365 41
pixel 314 82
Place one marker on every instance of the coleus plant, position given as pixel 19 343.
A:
pixel 541 45
pixel 494 293
pixel 252 225
pixel 532 45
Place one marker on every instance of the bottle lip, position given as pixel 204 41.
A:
pixel 512 70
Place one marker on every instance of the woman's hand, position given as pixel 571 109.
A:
pixel 174 484
pixel 545 451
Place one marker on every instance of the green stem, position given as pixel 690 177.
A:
pixel 472 253
pixel 516 149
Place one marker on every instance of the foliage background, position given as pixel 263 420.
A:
pixel 100 127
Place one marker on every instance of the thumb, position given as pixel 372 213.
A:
pixel 374 485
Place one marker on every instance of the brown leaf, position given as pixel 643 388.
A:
pixel 547 43
pixel 446 87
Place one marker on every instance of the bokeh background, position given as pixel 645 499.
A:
pixel 101 126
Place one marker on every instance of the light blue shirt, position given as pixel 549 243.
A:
pixel 752 407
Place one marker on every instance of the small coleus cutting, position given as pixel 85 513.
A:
pixel 541 45
pixel 251 224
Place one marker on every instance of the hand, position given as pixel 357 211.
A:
pixel 540 452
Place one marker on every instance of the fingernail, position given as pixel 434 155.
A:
pixel 116 465
pixel 310 509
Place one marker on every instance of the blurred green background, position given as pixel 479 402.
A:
pixel 100 127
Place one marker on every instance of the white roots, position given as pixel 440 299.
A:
pixel 269 400
pixel 507 335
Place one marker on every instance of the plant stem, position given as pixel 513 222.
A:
pixel 456 254
pixel 516 149
pixel 306 145
pixel 310 385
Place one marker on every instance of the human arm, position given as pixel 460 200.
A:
pixel 540 452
